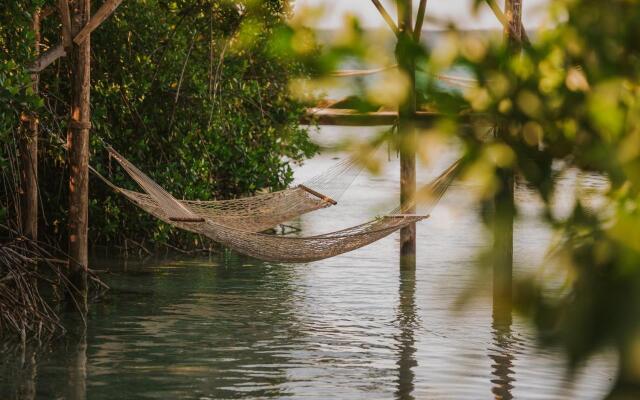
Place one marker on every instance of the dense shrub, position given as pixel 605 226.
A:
pixel 186 90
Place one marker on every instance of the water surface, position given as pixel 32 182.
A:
pixel 354 326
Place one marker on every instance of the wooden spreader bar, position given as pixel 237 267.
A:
pixel 196 219
pixel 423 216
pixel 318 194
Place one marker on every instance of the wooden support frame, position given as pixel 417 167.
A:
pixel 107 8
pixel 65 17
pixel 61 50
pixel 385 15
pixel 78 146
pixel 318 194
pixel 349 117
pixel 407 137
pixel 417 30
pixel 47 58
pixel 28 145
pixel 423 216
pixel 504 197
pixel 195 219
pixel 520 35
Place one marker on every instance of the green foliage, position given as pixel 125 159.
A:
pixel 570 99
pixel 188 92
pixel 17 40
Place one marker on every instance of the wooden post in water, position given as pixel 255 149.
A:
pixel 504 203
pixel 29 156
pixel 406 130
pixel 78 146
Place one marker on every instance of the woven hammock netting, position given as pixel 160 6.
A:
pixel 256 213
pixel 229 224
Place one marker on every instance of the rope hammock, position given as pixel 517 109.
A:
pixel 188 216
pixel 254 214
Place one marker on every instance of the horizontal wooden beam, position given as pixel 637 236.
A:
pixel 105 10
pixel 47 58
pixel 361 72
pixel 348 117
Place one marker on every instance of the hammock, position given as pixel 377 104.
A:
pixel 281 248
pixel 256 213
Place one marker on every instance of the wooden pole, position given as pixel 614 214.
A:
pixel 385 15
pixel 29 156
pixel 406 131
pixel 504 203
pixel 417 30
pixel 78 145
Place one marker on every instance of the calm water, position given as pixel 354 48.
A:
pixel 354 326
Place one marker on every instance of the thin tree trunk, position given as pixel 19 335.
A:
pixel 78 145
pixel 29 156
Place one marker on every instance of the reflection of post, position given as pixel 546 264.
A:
pixel 502 357
pixel 407 322
pixel 77 368
pixel 26 382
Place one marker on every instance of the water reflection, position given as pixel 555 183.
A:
pixel 408 323
pixel 501 354
pixel 25 373
pixel 77 364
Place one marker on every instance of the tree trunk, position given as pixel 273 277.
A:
pixel 29 157
pixel 78 145
pixel 406 130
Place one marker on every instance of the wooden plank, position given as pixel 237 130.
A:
pixel 186 219
pixel 385 15
pixel 423 216
pixel 65 17
pixel 47 58
pixel 345 73
pixel 348 117
pixel 107 8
